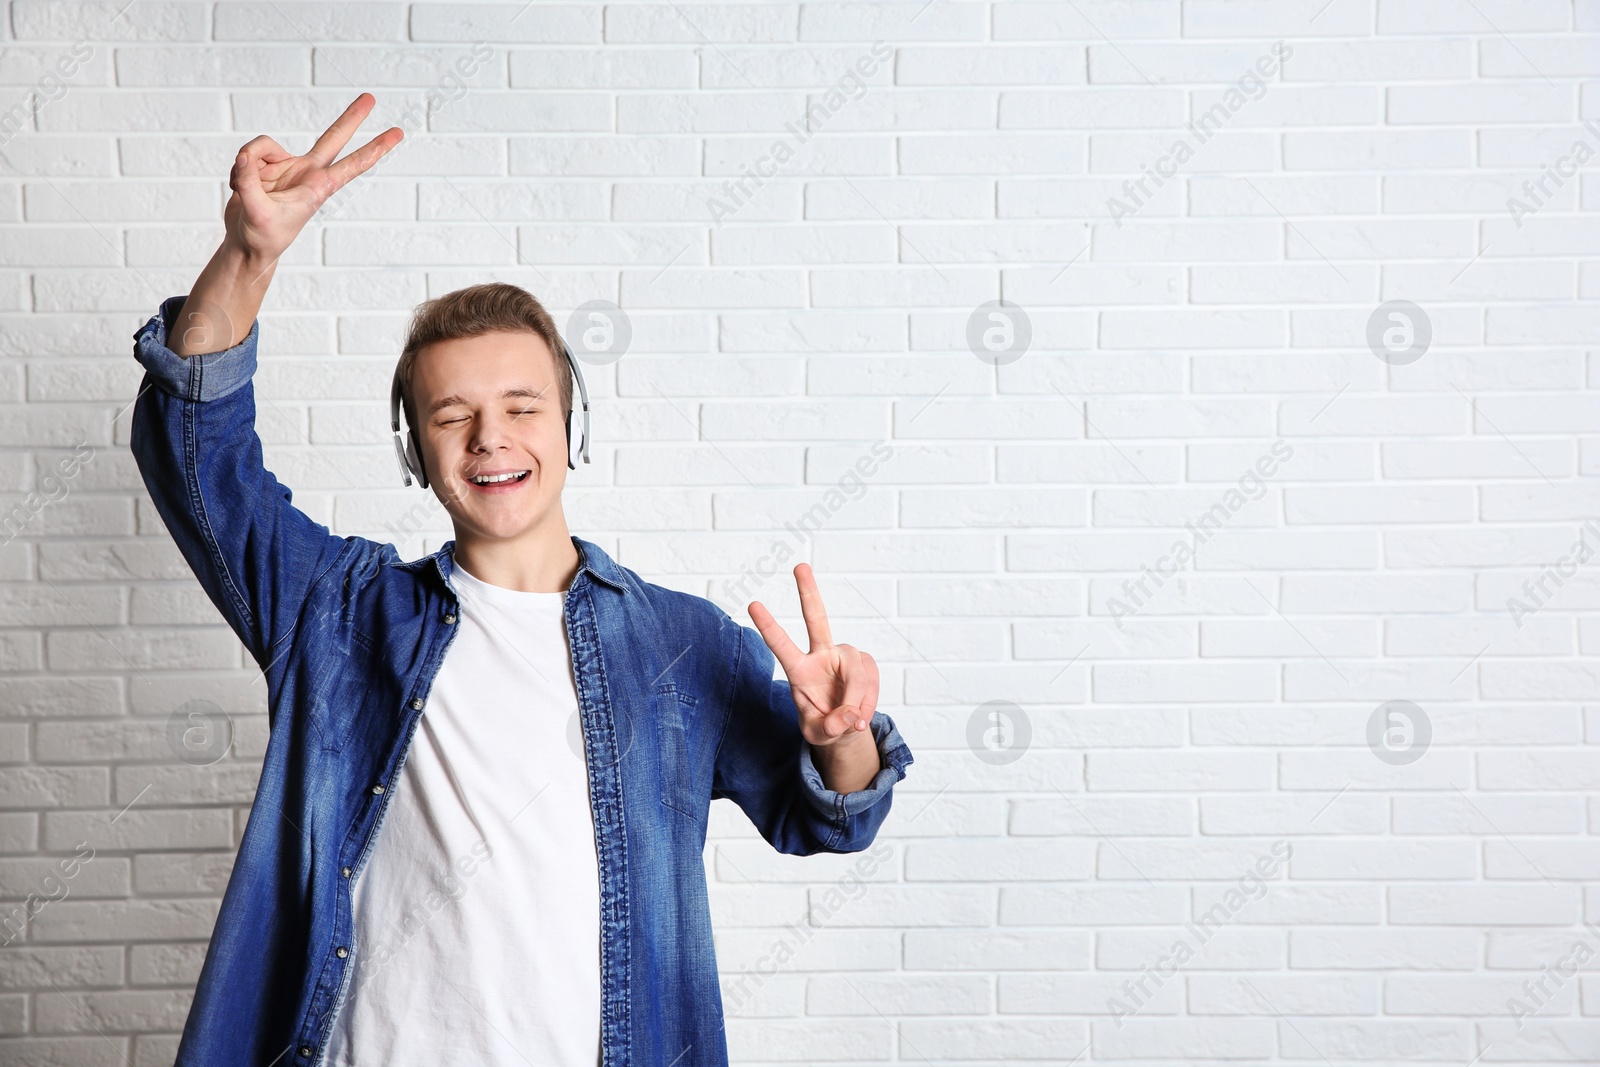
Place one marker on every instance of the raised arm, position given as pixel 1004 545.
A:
pixel 193 431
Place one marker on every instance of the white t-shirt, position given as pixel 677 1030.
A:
pixel 477 916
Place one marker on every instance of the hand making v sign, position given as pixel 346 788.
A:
pixel 275 193
pixel 835 690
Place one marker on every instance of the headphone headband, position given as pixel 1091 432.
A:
pixel 409 452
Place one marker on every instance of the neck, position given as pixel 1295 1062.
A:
pixel 540 560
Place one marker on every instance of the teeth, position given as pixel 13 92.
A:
pixel 491 479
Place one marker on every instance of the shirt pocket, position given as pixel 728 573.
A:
pixel 346 687
pixel 673 711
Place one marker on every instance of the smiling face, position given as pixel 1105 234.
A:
pixel 492 432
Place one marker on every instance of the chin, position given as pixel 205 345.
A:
pixel 506 522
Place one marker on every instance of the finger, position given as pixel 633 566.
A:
pixel 245 179
pixel 265 150
pixel 344 127
pixel 787 652
pixel 364 157
pixel 838 722
pixel 853 673
pixel 869 702
pixel 811 608
pixel 845 719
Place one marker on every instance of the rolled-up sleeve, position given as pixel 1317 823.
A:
pixel 204 376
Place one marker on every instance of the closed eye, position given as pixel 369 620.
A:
pixel 515 413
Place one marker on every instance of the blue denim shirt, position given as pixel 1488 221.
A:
pixel 678 706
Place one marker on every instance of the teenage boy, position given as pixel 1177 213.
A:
pixel 538 731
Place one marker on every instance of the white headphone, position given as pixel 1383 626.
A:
pixel 410 455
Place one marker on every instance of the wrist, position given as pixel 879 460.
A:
pixel 244 264
pixel 846 770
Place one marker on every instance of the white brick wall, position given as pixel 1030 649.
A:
pixel 1186 730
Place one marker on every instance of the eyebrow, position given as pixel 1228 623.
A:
pixel 515 391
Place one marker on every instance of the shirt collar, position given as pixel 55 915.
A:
pixel 591 558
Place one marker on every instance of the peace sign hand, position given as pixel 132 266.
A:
pixel 835 687
pixel 275 193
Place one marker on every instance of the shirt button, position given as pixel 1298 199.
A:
pixel 345 871
pixel 378 788
pixel 305 1051
pixel 341 952
pixel 449 619
pixel 416 703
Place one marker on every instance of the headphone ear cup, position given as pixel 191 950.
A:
pixel 574 439
pixel 413 461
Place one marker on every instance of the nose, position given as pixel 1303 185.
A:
pixel 487 435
